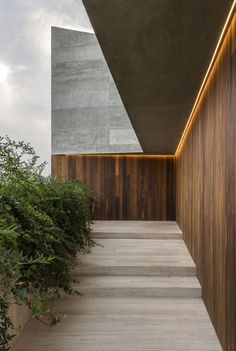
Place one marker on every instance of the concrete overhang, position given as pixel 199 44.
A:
pixel 158 52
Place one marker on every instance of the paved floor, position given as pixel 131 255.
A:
pixel 140 293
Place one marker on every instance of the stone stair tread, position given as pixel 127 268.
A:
pixel 135 252
pixel 139 286
pixel 137 291
pixel 137 257
pixel 136 229
pixel 113 324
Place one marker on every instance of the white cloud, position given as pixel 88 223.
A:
pixel 25 27
pixel 4 72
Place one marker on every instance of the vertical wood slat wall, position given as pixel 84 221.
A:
pixel 206 192
pixel 129 187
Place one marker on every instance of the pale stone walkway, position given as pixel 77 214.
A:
pixel 140 294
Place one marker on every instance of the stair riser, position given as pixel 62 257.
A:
pixel 141 292
pixel 158 236
pixel 135 271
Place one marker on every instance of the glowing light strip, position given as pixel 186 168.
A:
pixel 115 155
pixel 220 41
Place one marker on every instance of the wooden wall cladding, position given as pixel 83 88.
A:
pixel 206 191
pixel 129 187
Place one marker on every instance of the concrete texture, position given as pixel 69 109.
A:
pixel 158 52
pixel 88 115
pixel 20 315
pixel 136 230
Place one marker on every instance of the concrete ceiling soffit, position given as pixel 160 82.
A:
pixel 158 52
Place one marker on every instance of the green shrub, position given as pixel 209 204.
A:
pixel 44 223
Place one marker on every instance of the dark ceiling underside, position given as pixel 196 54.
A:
pixel 158 52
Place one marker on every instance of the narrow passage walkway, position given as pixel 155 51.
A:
pixel 140 294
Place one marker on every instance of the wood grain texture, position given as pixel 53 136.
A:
pixel 129 187
pixel 206 198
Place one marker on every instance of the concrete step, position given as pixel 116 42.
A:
pixel 123 286
pixel 135 270
pixel 127 324
pixel 136 230
pixel 139 294
pixel 138 257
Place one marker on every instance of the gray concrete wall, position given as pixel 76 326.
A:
pixel 88 115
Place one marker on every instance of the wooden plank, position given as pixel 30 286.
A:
pixel 128 187
pixel 206 192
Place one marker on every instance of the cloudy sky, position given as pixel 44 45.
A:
pixel 25 30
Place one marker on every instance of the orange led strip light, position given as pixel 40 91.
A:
pixel 220 41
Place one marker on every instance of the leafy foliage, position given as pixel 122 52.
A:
pixel 44 223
